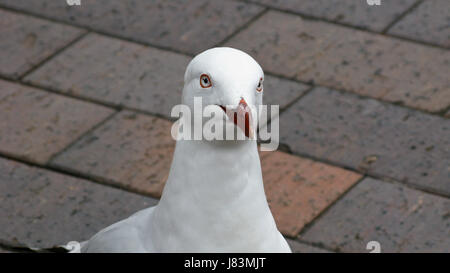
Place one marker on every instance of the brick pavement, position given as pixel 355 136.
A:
pixel 399 218
pixel 364 93
pixel 427 23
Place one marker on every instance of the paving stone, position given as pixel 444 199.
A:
pixel 399 218
pixel 382 139
pixel 340 57
pixel 117 72
pixel 36 124
pixel 187 26
pixel 355 13
pixel 298 247
pixel 131 150
pixel 429 22
pixel 448 114
pixel 299 189
pixel 42 208
pixel 26 41
pixel 282 92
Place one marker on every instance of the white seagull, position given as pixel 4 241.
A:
pixel 214 199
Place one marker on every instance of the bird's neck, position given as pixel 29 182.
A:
pixel 213 185
pixel 214 169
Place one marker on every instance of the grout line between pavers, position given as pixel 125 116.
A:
pixel 54 54
pixel 243 27
pixel 283 147
pixel 409 185
pixel 287 11
pixel 286 149
pixel 75 141
pixel 75 174
pixel 93 30
pixel 316 245
pixel 325 20
pixel 440 113
pixel 114 184
pixel 401 16
pixel 99 180
pixel 292 102
pixel 86 99
pixel 320 215
pixel 120 107
pixel 106 182
pixel 309 225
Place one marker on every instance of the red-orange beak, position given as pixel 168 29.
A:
pixel 242 117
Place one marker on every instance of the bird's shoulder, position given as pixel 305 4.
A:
pixel 123 236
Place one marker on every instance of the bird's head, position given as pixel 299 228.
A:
pixel 228 79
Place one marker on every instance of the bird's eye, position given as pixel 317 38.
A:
pixel 205 81
pixel 259 88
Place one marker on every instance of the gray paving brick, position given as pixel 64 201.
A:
pixel 278 91
pixel 117 72
pixel 25 41
pixel 123 73
pixel 344 58
pixel 299 189
pixel 399 218
pixel 382 139
pixel 131 150
pixel 429 22
pixel 36 124
pixel 355 13
pixel 188 26
pixel 42 208
pixel 298 247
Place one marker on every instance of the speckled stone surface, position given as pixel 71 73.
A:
pixel 298 247
pixel 299 189
pixel 25 41
pixel 131 150
pixel 356 13
pixel 379 138
pixel 282 92
pixel 117 72
pixel 399 218
pixel 429 23
pixel 187 26
pixel 41 208
pixel 35 124
pixel 340 57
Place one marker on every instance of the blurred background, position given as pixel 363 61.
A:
pixel 86 89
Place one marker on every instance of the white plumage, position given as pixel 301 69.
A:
pixel 214 199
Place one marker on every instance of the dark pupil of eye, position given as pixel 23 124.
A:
pixel 205 80
pixel 259 84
